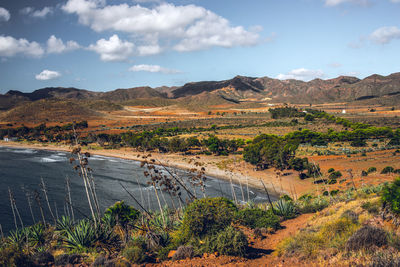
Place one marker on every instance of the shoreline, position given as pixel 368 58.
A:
pixel 241 173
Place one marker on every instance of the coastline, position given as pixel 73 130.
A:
pixel 219 167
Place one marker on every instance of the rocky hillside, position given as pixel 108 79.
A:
pixel 343 88
pixel 236 90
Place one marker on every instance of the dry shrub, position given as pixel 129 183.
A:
pixel 385 258
pixel 351 215
pixel 183 252
pixel 367 237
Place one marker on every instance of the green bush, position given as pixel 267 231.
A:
pixel 122 214
pixel 311 205
pixel 230 241
pixel 387 169
pixel 134 254
pixel 331 170
pixel 334 175
pixel 309 117
pixel 358 143
pixel 207 216
pixel 258 218
pixel 391 196
pixel 371 169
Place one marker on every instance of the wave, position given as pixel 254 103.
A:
pixel 52 159
pixel 21 150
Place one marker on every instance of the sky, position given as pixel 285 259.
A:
pixel 102 45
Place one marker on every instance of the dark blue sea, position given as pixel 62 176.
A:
pixel 21 170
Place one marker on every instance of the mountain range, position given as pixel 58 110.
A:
pixel 239 89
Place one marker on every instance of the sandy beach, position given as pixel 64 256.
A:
pixel 222 167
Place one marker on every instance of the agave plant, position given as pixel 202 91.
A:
pixel 17 237
pixel 36 234
pixel 64 224
pixel 81 237
pixel 284 208
pixel 165 220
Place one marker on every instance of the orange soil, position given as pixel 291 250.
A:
pixel 260 253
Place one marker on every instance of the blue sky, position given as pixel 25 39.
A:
pixel 102 45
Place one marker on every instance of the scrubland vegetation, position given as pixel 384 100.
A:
pixel 356 226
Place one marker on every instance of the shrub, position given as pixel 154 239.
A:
pixel 391 196
pixel 183 252
pixel 311 205
pixel 371 207
pixel 309 117
pixel 14 256
pixel 43 258
pixel 122 214
pixel 305 243
pixel 385 259
pixel 134 254
pixel 231 242
pixel 258 218
pixel 358 143
pixel 332 181
pixel 334 175
pixel 286 209
pixel 351 215
pixel 331 170
pixel 387 169
pixel 207 216
pixel 66 259
pixel 371 169
pixel 367 237
pixel 364 173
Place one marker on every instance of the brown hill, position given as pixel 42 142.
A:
pixel 48 110
pixel 233 91
pixel 121 95
pixel 343 88
pixel 55 92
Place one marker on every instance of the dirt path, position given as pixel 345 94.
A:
pixel 260 250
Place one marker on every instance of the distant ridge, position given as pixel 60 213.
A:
pixel 236 90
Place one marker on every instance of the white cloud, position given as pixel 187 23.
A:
pixel 214 30
pixel 395 1
pixel 302 74
pixel 30 11
pixel 57 46
pixel 146 50
pixel 192 27
pixel 153 68
pixel 4 14
pixel 113 49
pixel 165 18
pixel 9 47
pixel 47 75
pixel 385 35
pixel 339 2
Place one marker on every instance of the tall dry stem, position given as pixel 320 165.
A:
pixel 44 189
pixel 39 203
